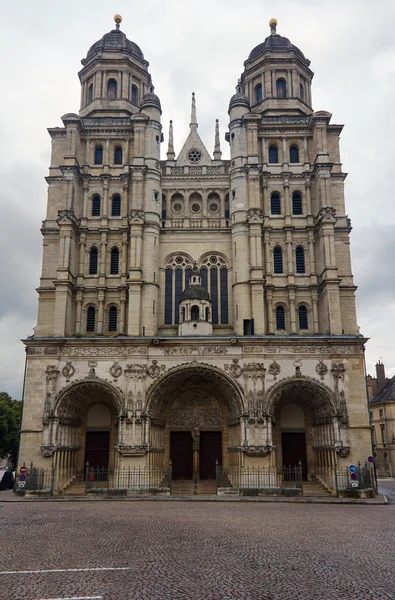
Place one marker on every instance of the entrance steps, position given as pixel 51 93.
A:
pixel 315 489
pixel 74 488
pixel 186 487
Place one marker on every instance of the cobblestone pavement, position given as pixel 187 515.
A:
pixel 202 551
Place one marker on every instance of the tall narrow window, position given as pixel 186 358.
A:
pixel 113 318
pixel 300 262
pixel 301 91
pixel 278 260
pixel 169 297
pixel 99 155
pixel 227 212
pixel 303 320
pixel 281 88
pixel 224 295
pixel 194 313
pixel 116 206
pixel 177 292
pixel 134 95
pixel 297 203
pixel 258 93
pixel 275 203
pixel 294 154
pixel 90 93
pixel 280 318
pixel 214 295
pixel 118 155
pixel 163 206
pixel 114 267
pixel 273 154
pixel 93 261
pixel 90 318
pixel 111 89
pixel 96 206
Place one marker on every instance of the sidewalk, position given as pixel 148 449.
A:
pixel 379 500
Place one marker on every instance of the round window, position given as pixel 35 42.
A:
pixel 194 156
pixel 195 207
pixel 177 207
pixel 213 207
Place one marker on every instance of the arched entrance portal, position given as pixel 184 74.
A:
pixel 194 413
pixel 306 424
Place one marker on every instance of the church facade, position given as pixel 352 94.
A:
pixel 191 306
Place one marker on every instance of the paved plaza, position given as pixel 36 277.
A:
pixel 200 551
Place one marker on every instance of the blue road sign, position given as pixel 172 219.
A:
pixel 352 469
pixel 370 459
pixel 22 477
pixel 354 476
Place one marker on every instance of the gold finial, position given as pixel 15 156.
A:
pixel 273 25
pixel 118 20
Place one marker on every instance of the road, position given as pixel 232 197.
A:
pixel 196 551
pixel 387 487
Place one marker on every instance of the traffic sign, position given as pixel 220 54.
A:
pixel 354 476
pixel 354 484
pixel 22 477
pixel 23 470
pixel 370 459
pixel 352 469
pixel 21 484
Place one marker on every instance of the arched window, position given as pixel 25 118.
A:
pixel 258 93
pixel 280 318
pixel 303 319
pixel 195 313
pixel 113 318
pixel 111 89
pixel 294 154
pixel 90 93
pixel 281 88
pixel 116 206
pixel 96 205
pixel 114 267
pixel 227 212
pixel 90 318
pixel 278 260
pixel 118 155
pixel 99 155
pixel 183 314
pixel 273 154
pixel 297 203
pixel 275 203
pixel 93 261
pixel 207 313
pixel 134 94
pixel 301 91
pixel 300 263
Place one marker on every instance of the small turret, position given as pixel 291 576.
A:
pixel 195 307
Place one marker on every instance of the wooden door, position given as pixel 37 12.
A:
pixel 181 454
pixel 97 449
pixel 210 451
pixel 294 450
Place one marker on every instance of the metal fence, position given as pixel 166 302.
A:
pixel 259 477
pixel 141 479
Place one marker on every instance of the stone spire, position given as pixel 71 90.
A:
pixel 193 124
pixel 170 150
pixel 217 145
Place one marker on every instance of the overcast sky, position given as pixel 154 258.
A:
pixel 197 46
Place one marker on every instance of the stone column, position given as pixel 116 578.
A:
pixel 100 312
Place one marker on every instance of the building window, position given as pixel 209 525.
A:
pixel 381 413
pixel 301 91
pixel 278 260
pixel 275 203
pixel 258 93
pixel 90 93
pixel 273 154
pixel 134 95
pixel 111 89
pixel 303 320
pixel 227 211
pixel 90 318
pixel 116 206
pixel 99 155
pixel 195 313
pixel 118 155
pixel 300 262
pixel 96 205
pixel 294 154
pixel 114 267
pixel 113 318
pixel 297 203
pixel 281 88
pixel 280 318
pixel 93 261
pixel 382 429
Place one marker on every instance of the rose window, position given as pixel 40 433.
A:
pixel 177 207
pixel 195 207
pixel 213 207
pixel 194 156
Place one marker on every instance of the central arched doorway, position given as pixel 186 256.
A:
pixel 194 413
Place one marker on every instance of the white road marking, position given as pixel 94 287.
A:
pixel 65 571
pixel 77 598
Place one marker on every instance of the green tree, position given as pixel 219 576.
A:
pixel 10 421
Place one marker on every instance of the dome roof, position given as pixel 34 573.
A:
pixel 239 98
pixel 115 41
pixel 195 292
pixel 276 43
pixel 150 99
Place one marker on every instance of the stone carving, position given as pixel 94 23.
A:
pixel 50 351
pixel 196 438
pixel 116 370
pixel 254 370
pixel 303 350
pixel 321 369
pixel 274 369
pixel 234 369
pixel 155 370
pixel 52 373
pixel 343 451
pixel 136 371
pixel 327 213
pixel 195 409
pixel 92 364
pixel 48 450
pixel 253 349
pixel 132 450
pixel 102 350
pixel 68 370
pixel 195 351
pixel 255 215
pixel 338 371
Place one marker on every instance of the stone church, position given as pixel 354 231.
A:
pixel 194 309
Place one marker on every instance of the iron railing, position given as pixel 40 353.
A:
pixel 139 479
pixel 259 477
